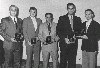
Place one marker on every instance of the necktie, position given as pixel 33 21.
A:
pixel 49 28
pixel 71 21
pixel 15 23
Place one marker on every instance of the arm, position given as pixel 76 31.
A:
pixel 59 29
pixel 25 27
pixel 3 30
pixel 40 35
pixel 96 34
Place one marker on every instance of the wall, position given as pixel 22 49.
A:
pixel 57 7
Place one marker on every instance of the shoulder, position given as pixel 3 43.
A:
pixel 61 17
pixel 42 25
pixel 20 19
pixel 96 23
pixel 5 19
pixel 25 19
pixel 78 18
pixel 39 20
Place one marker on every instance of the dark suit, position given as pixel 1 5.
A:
pixel 68 51
pixel 12 49
pixel 93 33
pixel 90 45
pixel 1 53
pixel 29 33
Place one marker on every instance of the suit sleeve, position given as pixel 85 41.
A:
pixel 25 26
pixel 3 30
pixel 96 34
pixel 59 29
pixel 40 35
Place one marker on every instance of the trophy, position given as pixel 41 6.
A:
pixel 83 32
pixel 33 40
pixel 71 38
pixel 19 37
pixel 48 40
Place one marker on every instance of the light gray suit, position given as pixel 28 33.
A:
pixel 29 33
pixel 12 49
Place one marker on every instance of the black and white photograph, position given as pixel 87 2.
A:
pixel 49 33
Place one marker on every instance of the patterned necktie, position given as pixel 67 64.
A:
pixel 49 28
pixel 71 21
pixel 15 23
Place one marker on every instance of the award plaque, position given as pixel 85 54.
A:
pixel 18 37
pixel 71 39
pixel 33 41
pixel 48 40
pixel 83 32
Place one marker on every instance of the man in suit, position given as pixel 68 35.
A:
pixel 48 37
pixel 10 26
pixel 90 40
pixel 68 27
pixel 31 29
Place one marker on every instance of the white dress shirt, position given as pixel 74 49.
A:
pixel 88 23
pixel 13 19
pixel 70 17
pixel 34 22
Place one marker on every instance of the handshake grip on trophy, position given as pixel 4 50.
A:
pixel 70 39
pixel 19 37
pixel 33 40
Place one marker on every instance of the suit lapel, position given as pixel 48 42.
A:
pixel 12 23
pixel 31 22
pixel 90 26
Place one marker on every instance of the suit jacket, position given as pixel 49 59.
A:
pixel 64 27
pixel 29 29
pixel 93 34
pixel 44 32
pixel 8 30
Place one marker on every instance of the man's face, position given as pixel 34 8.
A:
pixel 88 15
pixel 33 13
pixel 48 18
pixel 13 11
pixel 71 9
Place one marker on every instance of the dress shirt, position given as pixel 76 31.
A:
pixel 70 17
pixel 13 19
pixel 34 22
pixel 88 23
pixel 43 31
pixel 71 21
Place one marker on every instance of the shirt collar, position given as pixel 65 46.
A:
pixel 33 18
pixel 13 18
pixel 70 16
pixel 89 21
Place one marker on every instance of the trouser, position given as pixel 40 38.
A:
pixel 13 56
pixel 1 53
pixel 48 50
pixel 88 59
pixel 68 56
pixel 30 50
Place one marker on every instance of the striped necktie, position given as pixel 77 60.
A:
pixel 15 23
pixel 71 21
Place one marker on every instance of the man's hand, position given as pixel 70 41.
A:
pixel 84 37
pixel 29 43
pixel 67 41
pixel 13 40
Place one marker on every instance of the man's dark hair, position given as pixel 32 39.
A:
pixel 33 8
pixel 71 4
pixel 90 11
pixel 49 14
